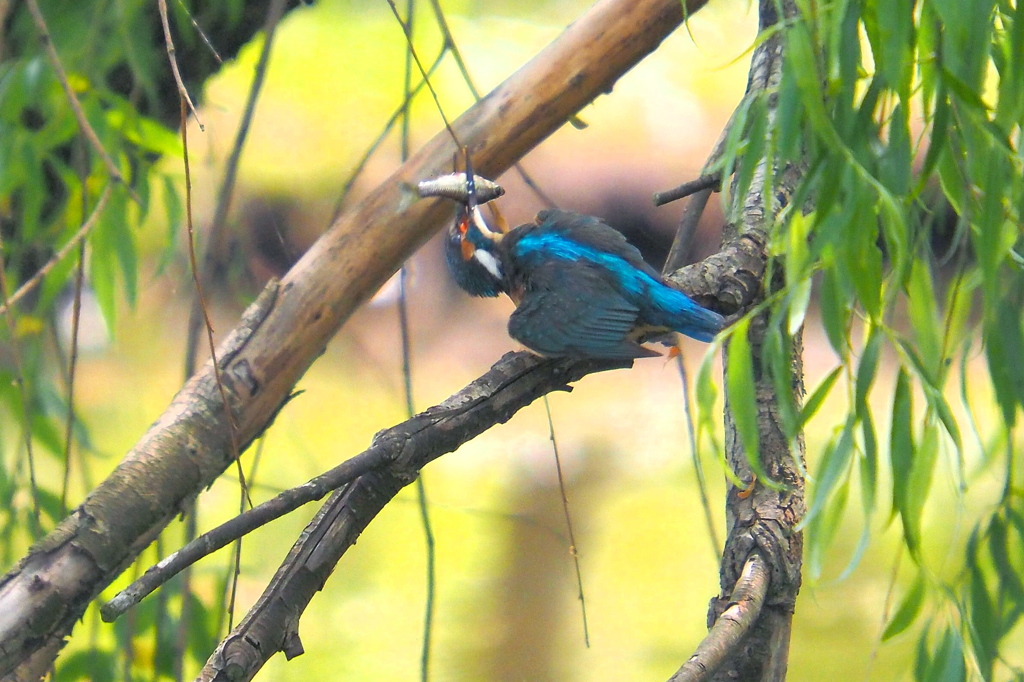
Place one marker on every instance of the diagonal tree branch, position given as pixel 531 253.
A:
pixel 272 624
pixel 290 324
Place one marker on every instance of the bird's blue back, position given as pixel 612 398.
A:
pixel 584 240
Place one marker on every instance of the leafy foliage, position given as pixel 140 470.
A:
pixel 907 222
pixel 51 179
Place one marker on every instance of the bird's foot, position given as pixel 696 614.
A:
pixel 749 490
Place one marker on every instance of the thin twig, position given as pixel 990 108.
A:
pixel 702 484
pixel 76 317
pixel 712 182
pixel 365 159
pixel 69 426
pixel 76 106
pixel 721 641
pixel 403 324
pixel 26 413
pixel 197 312
pixel 679 253
pixel 243 524
pixel 35 279
pixel 423 72
pixel 568 523
pixel 202 34
pixel 169 41
pixel 449 43
pixel 232 424
pixel 227 186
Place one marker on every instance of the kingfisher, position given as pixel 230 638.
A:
pixel 580 289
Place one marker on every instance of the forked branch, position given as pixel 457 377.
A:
pixel 272 624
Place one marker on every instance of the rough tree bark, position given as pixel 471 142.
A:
pixel 761 523
pixel 289 326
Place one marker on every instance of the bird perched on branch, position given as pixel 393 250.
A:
pixel 580 288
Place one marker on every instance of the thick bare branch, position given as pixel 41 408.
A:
pixel 288 328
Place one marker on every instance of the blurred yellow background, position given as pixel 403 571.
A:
pixel 506 595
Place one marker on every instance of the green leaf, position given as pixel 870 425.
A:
pixel 1004 347
pixel 777 353
pixel 901 441
pixel 889 26
pixel 756 139
pixel 951 179
pixel 817 397
pixel 895 164
pixel 822 529
pixel 984 629
pixel 937 402
pixel 707 393
pixel 1008 570
pixel 833 468
pixel 739 381
pixel 799 299
pixel 964 92
pixel 835 311
pixel 707 413
pixel 797 253
pixel 867 369
pixel 919 484
pixel 924 318
pixel 864 262
pixel 907 611
pixel 1011 82
pixel 937 141
pixel 869 464
pixel 948 663
pixel 801 62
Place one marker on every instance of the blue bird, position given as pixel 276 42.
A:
pixel 580 288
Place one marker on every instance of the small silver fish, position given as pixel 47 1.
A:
pixel 453 186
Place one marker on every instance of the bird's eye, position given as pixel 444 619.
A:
pixel 464 224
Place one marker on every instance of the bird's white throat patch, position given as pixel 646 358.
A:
pixel 490 263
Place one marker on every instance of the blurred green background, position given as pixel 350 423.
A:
pixel 506 594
